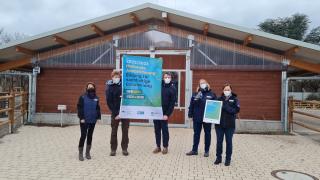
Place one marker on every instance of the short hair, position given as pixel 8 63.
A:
pixel 227 84
pixel 168 73
pixel 115 73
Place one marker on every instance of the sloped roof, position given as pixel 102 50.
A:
pixel 307 51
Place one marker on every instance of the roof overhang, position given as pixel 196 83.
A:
pixel 307 51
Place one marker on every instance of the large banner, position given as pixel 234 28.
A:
pixel 141 88
pixel 212 111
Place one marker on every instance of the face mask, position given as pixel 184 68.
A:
pixel 167 80
pixel 203 85
pixel 91 90
pixel 227 93
pixel 115 80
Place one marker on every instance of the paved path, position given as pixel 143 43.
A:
pixel 51 153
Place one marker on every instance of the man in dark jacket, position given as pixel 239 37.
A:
pixel 196 111
pixel 168 99
pixel 226 128
pixel 88 113
pixel 113 98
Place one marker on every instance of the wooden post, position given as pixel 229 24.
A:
pixel 23 96
pixel 290 113
pixel 11 112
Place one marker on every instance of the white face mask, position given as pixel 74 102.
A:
pixel 203 85
pixel 167 80
pixel 227 93
pixel 115 80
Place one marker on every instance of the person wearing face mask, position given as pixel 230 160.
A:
pixel 168 97
pixel 88 113
pixel 226 128
pixel 113 98
pixel 196 112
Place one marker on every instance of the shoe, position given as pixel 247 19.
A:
pixel 157 150
pixel 227 163
pixel 165 151
pixel 112 153
pixel 80 153
pixel 206 154
pixel 217 161
pixel 125 152
pixel 191 153
pixel 88 156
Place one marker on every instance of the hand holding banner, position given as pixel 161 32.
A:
pixel 212 112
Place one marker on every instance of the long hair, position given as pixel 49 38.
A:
pixel 92 83
pixel 208 85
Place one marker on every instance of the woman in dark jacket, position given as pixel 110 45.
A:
pixel 226 128
pixel 88 113
pixel 196 111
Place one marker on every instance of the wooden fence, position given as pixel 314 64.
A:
pixel 294 104
pixel 14 109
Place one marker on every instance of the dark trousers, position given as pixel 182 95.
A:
pixel 161 125
pixel 86 132
pixel 228 133
pixel 114 133
pixel 197 127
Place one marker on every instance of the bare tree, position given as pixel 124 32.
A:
pixel 7 37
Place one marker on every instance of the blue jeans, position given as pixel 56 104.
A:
pixel 197 127
pixel 158 126
pixel 220 133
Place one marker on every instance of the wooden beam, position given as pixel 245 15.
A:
pixel 247 40
pixel 135 19
pixel 291 51
pixel 15 64
pixel 302 64
pixel 205 29
pixel 61 40
pixel 25 50
pixel 96 29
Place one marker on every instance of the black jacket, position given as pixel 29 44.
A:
pixel 198 103
pixel 113 97
pixel 168 97
pixel 230 108
pixel 80 107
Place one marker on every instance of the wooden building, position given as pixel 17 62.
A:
pixel 192 47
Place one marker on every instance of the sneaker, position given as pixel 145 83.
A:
pixel 165 151
pixel 112 153
pixel 157 150
pixel 206 154
pixel 191 153
pixel 217 161
pixel 125 152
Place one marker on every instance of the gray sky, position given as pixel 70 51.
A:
pixel 32 17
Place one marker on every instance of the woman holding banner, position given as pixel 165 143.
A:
pixel 113 97
pixel 196 112
pixel 168 97
pixel 226 128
